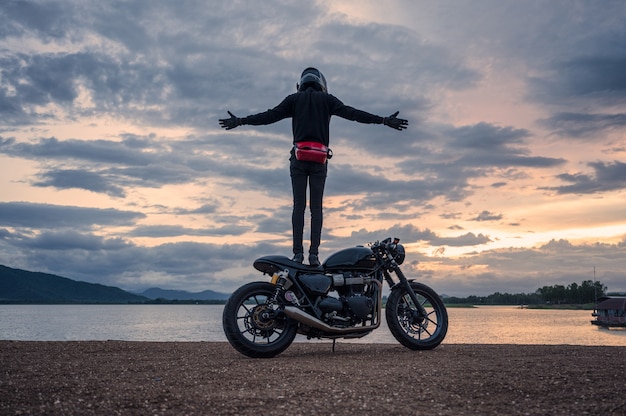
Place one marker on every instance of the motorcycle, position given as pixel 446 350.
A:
pixel 342 298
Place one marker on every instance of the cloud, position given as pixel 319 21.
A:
pixel 177 231
pixel 47 216
pixel 130 150
pixel 410 234
pixel 607 177
pixel 110 167
pixel 106 166
pixel 523 270
pixel 111 105
pixel 379 190
pixel 47 19
pixel 119 262
pixel 161 76
pixel 193 266
pixel 487 216
pixel 584 125
pixel 485 144
pixel 592 78
pixel 73 178
pixel 72 240
pixel 465 240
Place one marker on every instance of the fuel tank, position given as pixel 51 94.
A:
pixel 355 258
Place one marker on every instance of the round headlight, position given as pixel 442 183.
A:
pixel 399 254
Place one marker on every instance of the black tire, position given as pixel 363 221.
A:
pixel 248 331
pixel 410 329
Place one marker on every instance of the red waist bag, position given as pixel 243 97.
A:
pixel 312 152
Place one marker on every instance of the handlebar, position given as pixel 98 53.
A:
pixel 387 243
pixel 391 249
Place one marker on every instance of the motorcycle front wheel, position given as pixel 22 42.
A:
pixel 407 324
pixel 252 325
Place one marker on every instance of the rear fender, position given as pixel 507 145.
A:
pixel 275 264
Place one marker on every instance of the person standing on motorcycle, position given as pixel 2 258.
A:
pixel 310 109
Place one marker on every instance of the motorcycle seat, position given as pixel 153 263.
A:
pixel 271 264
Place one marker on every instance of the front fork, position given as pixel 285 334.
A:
pixel 421 312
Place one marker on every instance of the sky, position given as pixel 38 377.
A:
pixel 511 175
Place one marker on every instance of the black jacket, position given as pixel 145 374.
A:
pixel 310 111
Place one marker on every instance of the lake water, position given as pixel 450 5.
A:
pixel 481 325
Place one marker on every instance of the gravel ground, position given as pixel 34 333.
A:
pixel 171 378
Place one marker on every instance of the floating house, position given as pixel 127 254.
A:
pixel 610 312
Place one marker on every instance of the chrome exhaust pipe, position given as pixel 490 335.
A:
pixel 307 319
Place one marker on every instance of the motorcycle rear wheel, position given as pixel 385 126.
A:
pixel 250 325
pixel 405 323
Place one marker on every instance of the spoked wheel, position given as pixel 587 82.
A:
pixel 408 326
pixel 253 326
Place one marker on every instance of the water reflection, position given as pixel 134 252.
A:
pixel 482 325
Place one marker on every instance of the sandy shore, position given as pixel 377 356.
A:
pixel 147 378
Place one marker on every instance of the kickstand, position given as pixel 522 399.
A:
pixel 334 341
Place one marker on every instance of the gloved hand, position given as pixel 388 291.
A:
pixel 230 123
pixel 394 122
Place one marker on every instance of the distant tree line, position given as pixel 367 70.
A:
pixel 586 292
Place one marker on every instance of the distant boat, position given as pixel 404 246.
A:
pixel 610 312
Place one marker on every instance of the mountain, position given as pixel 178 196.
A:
pixel 158 293
pixel 21 286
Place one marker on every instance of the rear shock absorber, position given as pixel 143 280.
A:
pixel 282 282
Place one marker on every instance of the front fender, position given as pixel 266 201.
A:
pixel 395 286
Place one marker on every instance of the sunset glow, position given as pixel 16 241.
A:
pixel 511 175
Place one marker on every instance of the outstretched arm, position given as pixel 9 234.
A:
pixel 394 122
pixel 281 111
pixel 351 113
pixel 230 123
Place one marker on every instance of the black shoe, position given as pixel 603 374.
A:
pixel 314 261
pixel 298 258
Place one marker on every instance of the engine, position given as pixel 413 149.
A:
pixel 351 300
pixel 345 295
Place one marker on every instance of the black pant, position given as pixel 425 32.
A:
pixel 313 174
